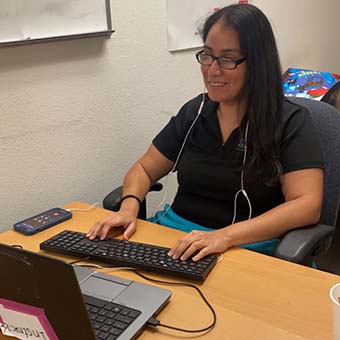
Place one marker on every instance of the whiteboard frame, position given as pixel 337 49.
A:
pixel 104 33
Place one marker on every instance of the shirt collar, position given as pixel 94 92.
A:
pixel 209 107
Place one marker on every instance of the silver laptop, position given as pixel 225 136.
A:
pixel 79 303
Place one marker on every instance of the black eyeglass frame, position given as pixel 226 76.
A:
pixel 236 61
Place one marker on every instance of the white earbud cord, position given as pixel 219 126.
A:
pixel 242 190
pixel 188 133
pixel 176 162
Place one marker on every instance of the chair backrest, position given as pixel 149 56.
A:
pixel 326 120
pixel 332 97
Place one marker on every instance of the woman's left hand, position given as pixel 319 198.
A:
pixel 200 243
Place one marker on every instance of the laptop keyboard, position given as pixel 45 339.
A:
pixel 109 320
pixel 121 253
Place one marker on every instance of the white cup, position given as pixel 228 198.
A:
pixel 335 295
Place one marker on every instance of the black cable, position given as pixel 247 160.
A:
pixel 154 322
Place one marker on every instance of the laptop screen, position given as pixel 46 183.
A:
pixel 35 280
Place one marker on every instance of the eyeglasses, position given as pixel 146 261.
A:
pixel 223 62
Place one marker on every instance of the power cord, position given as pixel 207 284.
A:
pixel 155 323
pixel 83 209
pixel 152 322
pixel 73 263
pixel 17 246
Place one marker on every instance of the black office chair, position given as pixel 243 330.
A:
pixel 332 97
pixel 302 245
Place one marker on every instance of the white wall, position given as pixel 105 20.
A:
pixel 76 114
pixel 307 32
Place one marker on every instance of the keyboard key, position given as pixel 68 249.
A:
pixel 120 325
pixel 102 336
pixel 115 331
pixel 124 319
pixel 112 337
pixel 90 300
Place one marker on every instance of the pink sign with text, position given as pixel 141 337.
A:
pixel 24 321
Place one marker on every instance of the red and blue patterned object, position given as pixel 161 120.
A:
pixel 299 82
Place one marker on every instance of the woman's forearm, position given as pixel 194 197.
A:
pixel 299 212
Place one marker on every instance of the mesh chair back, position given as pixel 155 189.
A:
pixel 326 120
pixel 332 97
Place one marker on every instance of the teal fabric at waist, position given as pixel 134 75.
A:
pixel 169 218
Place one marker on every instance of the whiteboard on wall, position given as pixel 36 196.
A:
pixel 38 20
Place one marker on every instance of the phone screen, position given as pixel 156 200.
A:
pixel 42 221
pixel 44 218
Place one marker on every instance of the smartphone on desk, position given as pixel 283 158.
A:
pixel 42 221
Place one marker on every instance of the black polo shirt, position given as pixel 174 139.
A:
pixel 209 171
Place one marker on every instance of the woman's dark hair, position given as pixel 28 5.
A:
pixel 262 90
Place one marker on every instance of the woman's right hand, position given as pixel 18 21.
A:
pixel 147 170
pixel 123 219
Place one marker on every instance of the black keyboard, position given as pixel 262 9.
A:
pixel 109 320
pixel 121 253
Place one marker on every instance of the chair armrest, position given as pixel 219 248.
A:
pixel 300 244
pixel 112 200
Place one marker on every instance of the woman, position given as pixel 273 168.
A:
pixel 247 160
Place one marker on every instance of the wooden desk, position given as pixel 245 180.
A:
pixel 256 297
